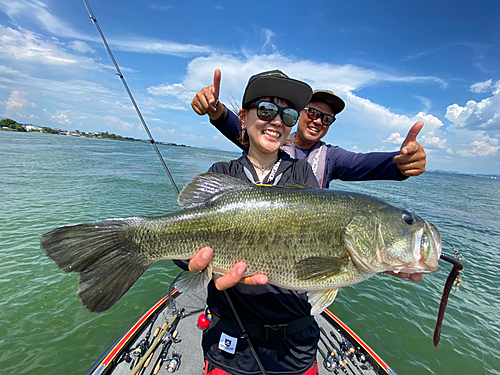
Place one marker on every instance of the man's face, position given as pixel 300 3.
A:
pixel 311 131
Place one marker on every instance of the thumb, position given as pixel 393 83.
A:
pixel 216 85
pixel 412 134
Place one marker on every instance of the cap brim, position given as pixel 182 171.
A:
pixel 329 98
pixel 296 92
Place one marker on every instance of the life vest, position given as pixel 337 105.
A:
pixel 316 157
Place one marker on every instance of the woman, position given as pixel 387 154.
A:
pixel 271 106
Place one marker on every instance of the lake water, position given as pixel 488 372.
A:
pixel 48 181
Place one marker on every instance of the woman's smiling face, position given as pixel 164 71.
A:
pixel 265 137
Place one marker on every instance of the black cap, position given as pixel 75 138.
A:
pixel 277 84
pixel 328 97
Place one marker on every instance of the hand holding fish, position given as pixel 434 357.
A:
pixel 412 158
pixel 201 260
pixel 206 101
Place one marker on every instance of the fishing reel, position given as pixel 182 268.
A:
pixel 173 363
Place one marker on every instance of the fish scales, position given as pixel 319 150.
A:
pixel 301 238
pixel 268 230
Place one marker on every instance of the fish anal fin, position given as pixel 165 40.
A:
pixel 196 282
pixel 321 299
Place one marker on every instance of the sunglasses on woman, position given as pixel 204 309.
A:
pixel 267 111
pixel 314 114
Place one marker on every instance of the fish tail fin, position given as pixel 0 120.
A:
pixel 107 263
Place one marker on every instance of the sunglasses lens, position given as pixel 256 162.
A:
pixel 314 114
pixel 290 116
pixel 328 120
pixel 267 111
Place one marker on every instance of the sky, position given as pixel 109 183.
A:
pixel 393 63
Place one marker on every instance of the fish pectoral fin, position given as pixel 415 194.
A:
pixel 319 268
pixel 321 299
pixel 196 282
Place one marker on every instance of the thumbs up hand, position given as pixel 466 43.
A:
pixel 206 100
pixel 412 158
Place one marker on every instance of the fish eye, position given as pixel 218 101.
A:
pixel 408 217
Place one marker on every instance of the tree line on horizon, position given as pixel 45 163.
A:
pixel 9 124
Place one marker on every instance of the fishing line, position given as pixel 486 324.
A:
pixel 119 73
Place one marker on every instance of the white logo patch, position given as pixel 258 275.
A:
pixel 227 343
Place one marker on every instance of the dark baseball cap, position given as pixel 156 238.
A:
pixel 328 97
pixel 275 83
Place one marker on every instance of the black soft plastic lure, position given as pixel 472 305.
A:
pixel 450 281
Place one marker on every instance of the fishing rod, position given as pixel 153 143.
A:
pixel 171 325
pixel 119 73
pixel 167 343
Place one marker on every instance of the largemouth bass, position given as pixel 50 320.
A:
pixel 303 239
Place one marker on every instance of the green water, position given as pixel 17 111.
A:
pixel 47 181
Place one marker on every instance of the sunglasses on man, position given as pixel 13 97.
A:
pixel 267 111
pixel 314 114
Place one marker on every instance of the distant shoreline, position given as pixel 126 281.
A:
pixel 11 125
pixel 28 128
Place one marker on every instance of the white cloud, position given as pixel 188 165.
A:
pixel 80 46
pixel 176 89
pixel 483 115
pixel 482 147
pixel 395 139
pixel 62 117
pixel 163 47
pixel 24 45
pixel 18 107
pixel 160 7
pixel 40 13
pixel 480 87
pixel 425 101
pixel 268 36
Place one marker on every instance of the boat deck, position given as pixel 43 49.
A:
pixel 122 357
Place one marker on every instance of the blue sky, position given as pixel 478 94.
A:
pixel 393 62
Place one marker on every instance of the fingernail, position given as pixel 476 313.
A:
pixel 241 269
pixel 206 254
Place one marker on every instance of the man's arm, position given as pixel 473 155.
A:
pixel 351 166
pixel 229 125
pixel 410 160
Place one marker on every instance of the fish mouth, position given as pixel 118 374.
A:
pixel 426 254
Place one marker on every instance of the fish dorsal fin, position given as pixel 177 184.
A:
pixel 206 187
pixel 319 268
